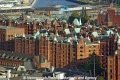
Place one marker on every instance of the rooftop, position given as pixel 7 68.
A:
pixel 7 27
pixel 15 56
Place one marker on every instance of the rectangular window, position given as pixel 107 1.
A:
pixel 9 39
pixel 94 46
pixel 81 55
pixel 94 50
pixel 110 71
pixel 8 35
pixel 73 62
pixel 73 59
pixel 110 66
pixel 110 61
pixel 11 35
pixel 110 76
pixel 73 50
pixel 73 54
pixel 81 47
pixel 89 46
pixel 81 51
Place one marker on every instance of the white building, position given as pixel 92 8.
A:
pixel 58 75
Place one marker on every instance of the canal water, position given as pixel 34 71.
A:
pixel 45 3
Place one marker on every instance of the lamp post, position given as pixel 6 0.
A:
pixel 94 63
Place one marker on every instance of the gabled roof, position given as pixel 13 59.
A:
pixel 80 23
pixel 29 65
pixel 3 16
pixel 64 21
pixel 77 30
pixel 118 42
pixel 101 18
pixel 76 22
pixel 95 34
pixel 67 31
pixel 15 56
pixel 107 18
pixel 2 68
pixel 108 32
pixel 110 16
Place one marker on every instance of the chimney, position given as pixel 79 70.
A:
pixel 92 38
pixel 115 38
pixel 86 34
pixel 65 26
pixel 9 22
pixel 56 31
pixel 34 27
pixel 94 28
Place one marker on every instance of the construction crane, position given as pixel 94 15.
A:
pixel 64 10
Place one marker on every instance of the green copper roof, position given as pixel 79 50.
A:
pixel 95 34
pixel 80 23
pixel 108 32
pixel 118 40
pixel 116 52
pixel 67 31
pixel 37 33
pixel 77 30
pixel 23 35
pixel 76 22
pixel 64 21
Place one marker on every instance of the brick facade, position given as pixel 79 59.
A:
pixel 7 35
pixel 59 54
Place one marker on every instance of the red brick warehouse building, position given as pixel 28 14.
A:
pixel 62 52
pixel 7 35
pixel 109 18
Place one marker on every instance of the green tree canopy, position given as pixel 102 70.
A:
pixel 90 65
pixel 100 78
pixel 73 16
pixel 84 16
pixel 92 22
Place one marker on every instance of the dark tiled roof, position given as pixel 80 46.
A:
pixel 15 56
pixel 29 65
pixel 28 35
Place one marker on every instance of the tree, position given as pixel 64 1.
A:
pixel 84 16
pixel 86 68
pixel 92 22
pixel 90 65
pixel 100 78
pixel 73 16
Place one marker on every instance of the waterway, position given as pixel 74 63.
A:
pixel 45 3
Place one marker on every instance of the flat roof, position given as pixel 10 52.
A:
pixel 7 27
